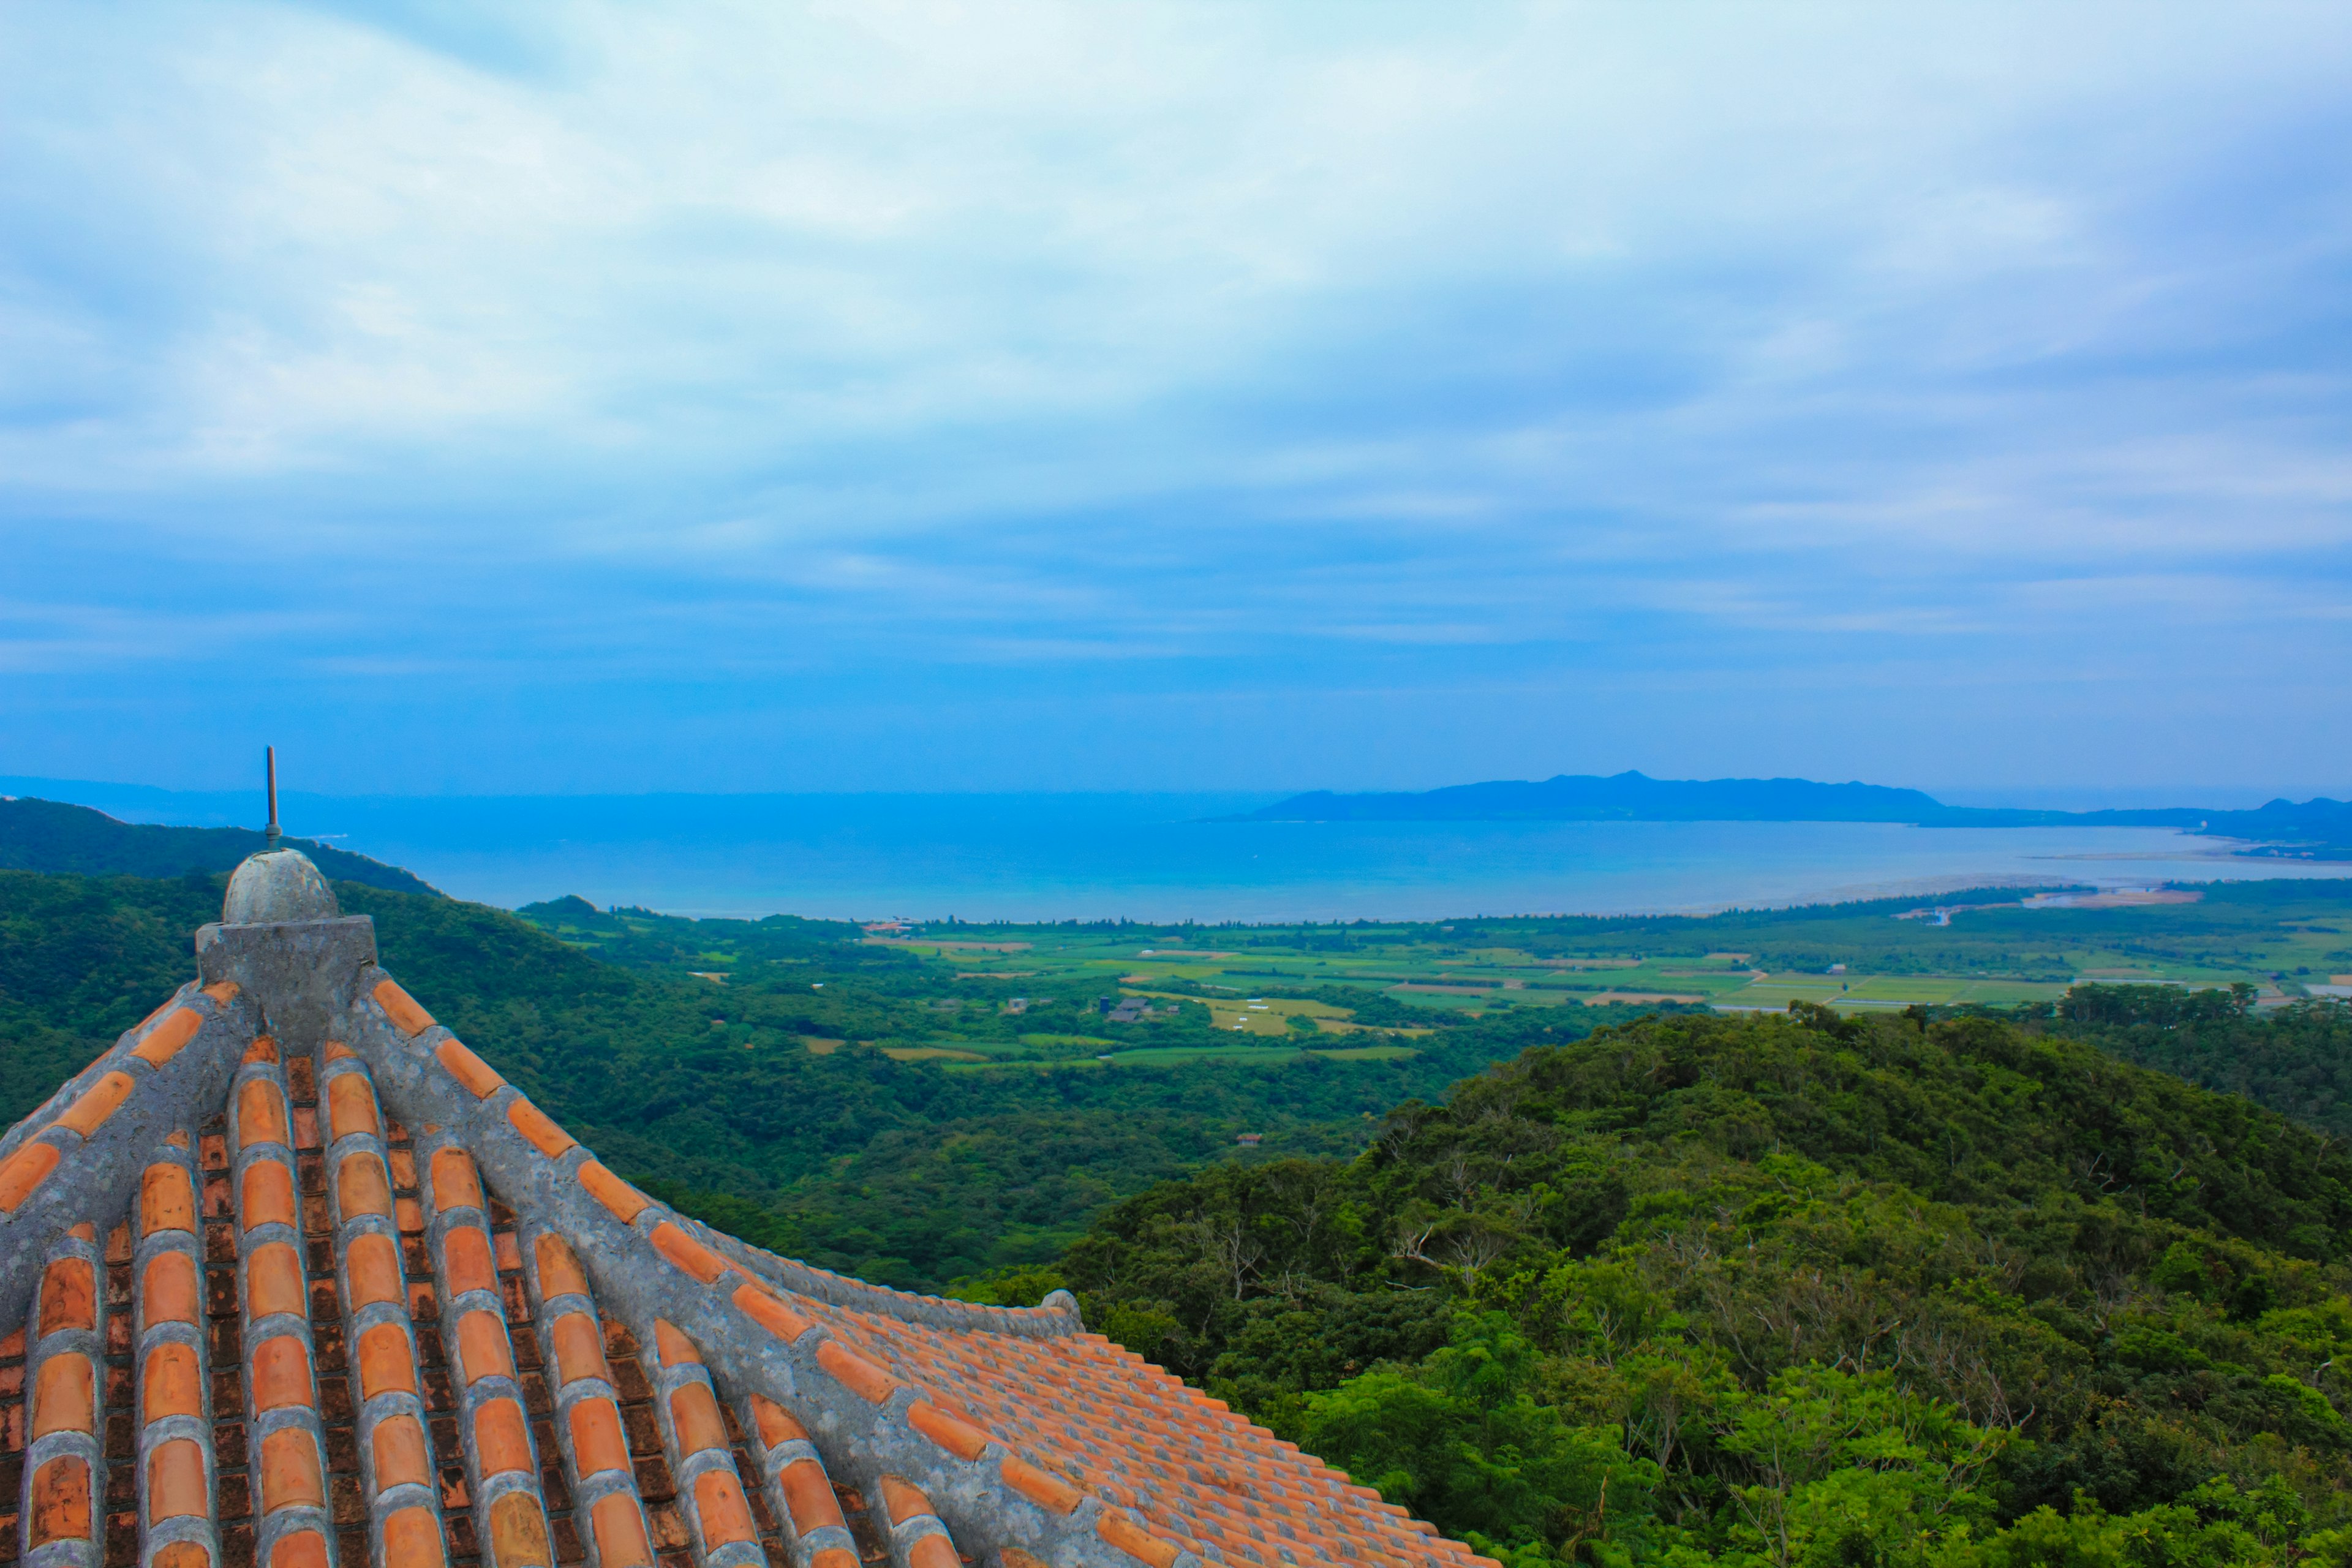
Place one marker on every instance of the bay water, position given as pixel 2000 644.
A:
pixel 1159 858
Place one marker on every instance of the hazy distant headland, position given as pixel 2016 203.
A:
pixel 2318 829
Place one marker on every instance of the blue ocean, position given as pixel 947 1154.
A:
pixel 1156 856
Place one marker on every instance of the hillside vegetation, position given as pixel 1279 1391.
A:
pixel 49 835
pixel 1784 1290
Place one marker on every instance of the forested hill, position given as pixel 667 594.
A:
pixel 1635 798
pixel 49 835
pixel 1789 1289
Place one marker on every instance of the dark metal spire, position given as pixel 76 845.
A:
pixel 273 832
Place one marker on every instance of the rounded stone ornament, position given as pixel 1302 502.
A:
pixel 278 885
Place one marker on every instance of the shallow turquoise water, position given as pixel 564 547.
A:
pixel 1154 857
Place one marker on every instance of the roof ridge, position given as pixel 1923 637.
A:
pixel 1051 1319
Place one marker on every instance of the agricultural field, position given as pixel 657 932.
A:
pixel 1103 996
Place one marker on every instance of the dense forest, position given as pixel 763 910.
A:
pixel 1785 1290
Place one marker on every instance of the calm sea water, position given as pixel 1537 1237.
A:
pixel 1159 857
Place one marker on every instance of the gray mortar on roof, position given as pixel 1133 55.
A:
pixel 860 1441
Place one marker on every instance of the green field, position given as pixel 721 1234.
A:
pixel 979 997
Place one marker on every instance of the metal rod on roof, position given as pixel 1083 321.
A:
pixel 269 762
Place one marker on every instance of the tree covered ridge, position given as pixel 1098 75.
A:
pixel 1774 1290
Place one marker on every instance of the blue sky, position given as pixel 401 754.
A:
pixel 911 395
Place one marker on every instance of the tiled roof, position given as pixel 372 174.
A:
pixel 291 1277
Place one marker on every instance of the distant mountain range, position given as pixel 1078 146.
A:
pixel 48 835
pixel 2320 828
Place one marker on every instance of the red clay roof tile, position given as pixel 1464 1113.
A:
pixel 267 1195
pixel 903 1500
pixel 97 1102
pixel 23 1171
pixel 68 1296
pixel 351 1106
pixel 502 1439
pixel 289 1470
pixel 726 1517
pixel 1124 1533
pixel 479 1078
pixel 624 1201
pixel 402 1009
pixel 579 1348
pixel 466 1258
pixel 808 1496
pixel 764 1308
pixel 59 1500
pixel 401 1456
pixel 961 1439
pixel 63 1397
pixel 175 1479
pixel 559 1269
pixel 166 1040
pixel 620 1531
pixel 360 1186
pixel 694 1417
pixel 482 1346
pixel 167 1200
pixel 519 1533
pixel 933 1551
pixel 302 1548
pixel 858 1375
pixel 386 1361
pixel 545 1136
pixel 260 1113
pixel 674 1348
pixel 273 1282
pixel 454 1183
pixel 280 1371
pixel 167 1289
pixel 596 1437
pixel 170 1383
pixel 412 1539
pixel 687 1254
pixel 775 1424
pixel 372 1264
